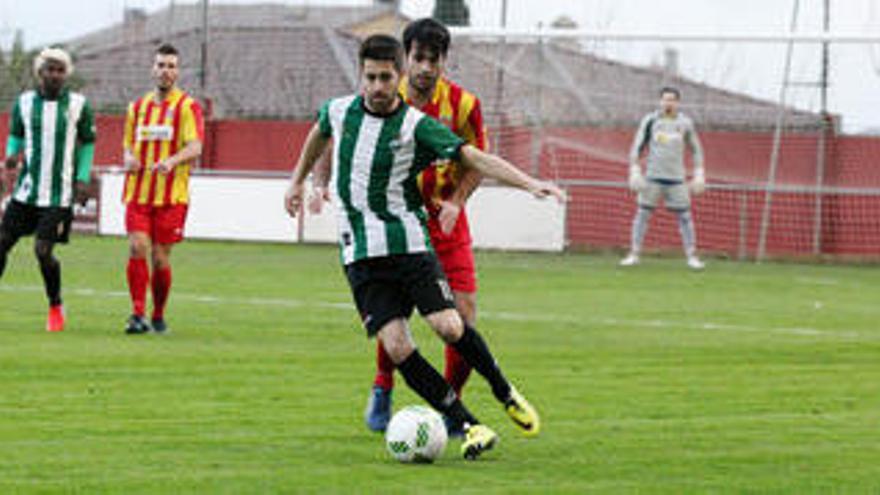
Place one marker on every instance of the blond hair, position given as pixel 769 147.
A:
pixel 56 54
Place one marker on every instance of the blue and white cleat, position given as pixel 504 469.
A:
pixel 378 412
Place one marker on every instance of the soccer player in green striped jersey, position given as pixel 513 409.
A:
pixel 52 133
pixel 380 144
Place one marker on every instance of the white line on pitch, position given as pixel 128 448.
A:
pixel 497 315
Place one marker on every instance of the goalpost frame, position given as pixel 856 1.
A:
pixel 608 35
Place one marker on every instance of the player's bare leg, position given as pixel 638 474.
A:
pixel 138 274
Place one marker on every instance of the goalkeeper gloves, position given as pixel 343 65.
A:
pixel 636 180
pixel 698 183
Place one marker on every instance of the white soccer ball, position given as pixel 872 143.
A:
pixel 416 434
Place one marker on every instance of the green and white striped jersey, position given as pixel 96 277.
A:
pixel 376 160
pixel 51 131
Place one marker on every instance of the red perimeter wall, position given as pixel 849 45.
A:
pixel 727 221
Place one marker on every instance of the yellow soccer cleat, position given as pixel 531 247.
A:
pixel 522 413
pixel 478 439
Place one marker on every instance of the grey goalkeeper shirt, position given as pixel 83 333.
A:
pixel 665 137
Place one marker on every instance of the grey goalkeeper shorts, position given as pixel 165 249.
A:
pixel 675 194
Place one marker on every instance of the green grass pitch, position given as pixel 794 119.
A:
pixel 742 379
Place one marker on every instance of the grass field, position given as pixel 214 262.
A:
pixel 745 378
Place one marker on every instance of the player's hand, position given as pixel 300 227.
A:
pixel 11 162
pixel 319 196
pixel 636 179
pixel 80 193
pixel 293 199
pixel 448 217
pixel 698 183
pixel 130 163
pixel 163 166
pixel 542 189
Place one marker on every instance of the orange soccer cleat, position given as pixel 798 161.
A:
pixel 55 320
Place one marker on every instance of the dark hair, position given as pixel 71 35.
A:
pixel 167 49
pixel 381 47
pixel 429 33
pixel 671 89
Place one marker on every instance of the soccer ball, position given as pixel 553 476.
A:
pixel 416 434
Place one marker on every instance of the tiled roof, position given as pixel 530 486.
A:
pixel 277 61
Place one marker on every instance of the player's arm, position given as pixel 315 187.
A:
pixel 698 183
pixel 434 140
pixel 320 181
pixel 640 142
pixel 314 146
pixel 192 130
pixel 84 154
pixel 474 132
pixel 15 140
pixel 503 171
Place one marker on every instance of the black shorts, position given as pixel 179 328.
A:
pixel 390 287
pixel 49 223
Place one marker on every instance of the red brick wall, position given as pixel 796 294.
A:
pixel 727 221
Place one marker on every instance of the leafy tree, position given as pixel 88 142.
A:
pixel 452 12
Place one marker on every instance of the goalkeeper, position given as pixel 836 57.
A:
pixel 665 132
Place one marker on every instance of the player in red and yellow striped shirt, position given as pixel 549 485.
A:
pixel 164 131
pixel 445 187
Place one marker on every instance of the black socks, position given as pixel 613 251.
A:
pixel 474 350
pixel 430 385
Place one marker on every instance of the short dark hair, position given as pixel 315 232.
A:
pixel 167 49
pixel 382 47
pixel 670 89
pixel 429 33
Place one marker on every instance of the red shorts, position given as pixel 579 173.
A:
pixel 458 265
pixel 164 224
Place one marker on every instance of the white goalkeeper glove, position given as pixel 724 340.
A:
pixel 636 180
pixel 698 183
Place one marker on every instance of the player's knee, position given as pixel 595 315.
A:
pixel 161 257
pixel 447 324
pixel 43 251
pixel 466 305
pixel 138 248
pixel 396 340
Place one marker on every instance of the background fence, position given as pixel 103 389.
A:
pixel 788 177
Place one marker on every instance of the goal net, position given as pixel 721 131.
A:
pixel 785 178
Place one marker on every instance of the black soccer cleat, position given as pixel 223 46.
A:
pixel 137 325
pixel 159 326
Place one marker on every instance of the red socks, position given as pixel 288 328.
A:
pixel 161 288
pixel 138 278
pixel 457 370
pixel 384 368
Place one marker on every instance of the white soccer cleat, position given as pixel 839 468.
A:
pixel 632 259
pixel 694 263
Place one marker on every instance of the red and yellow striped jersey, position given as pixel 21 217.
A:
pixel 459 110
pixel 155 131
